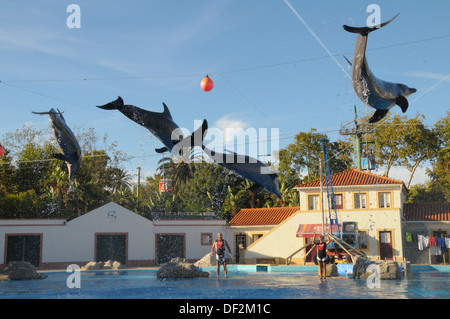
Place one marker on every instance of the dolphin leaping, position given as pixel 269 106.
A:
pixel 70 148
pixel 248 167
pixel 161 125
pixel 374 92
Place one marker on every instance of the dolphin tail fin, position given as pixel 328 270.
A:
pixel 378 115
pixel 402 102
pixel 367 30
pixel 115 105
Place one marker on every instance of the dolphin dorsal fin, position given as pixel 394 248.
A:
pixel 166 111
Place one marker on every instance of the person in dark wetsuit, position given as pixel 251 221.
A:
pixel 322 255
pixel 220 245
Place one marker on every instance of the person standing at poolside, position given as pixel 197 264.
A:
pixel 322 256
pixel 220 245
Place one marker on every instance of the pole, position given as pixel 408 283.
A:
pixel 358 143
pixel 307 254
pixel 139 184
pixel 321 197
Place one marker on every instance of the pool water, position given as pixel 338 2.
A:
pixel 143 284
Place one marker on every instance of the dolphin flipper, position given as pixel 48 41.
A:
pixel 402 102
pixel 256 188
pixel 161 150
pixel 378 115
pixel 367 30
pixel 59 156
pixel 348 61
pixel 115 105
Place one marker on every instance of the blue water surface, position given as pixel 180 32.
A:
pixel 143 284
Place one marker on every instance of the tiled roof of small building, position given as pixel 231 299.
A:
pixel 354 177
pixel 262 216
pixel 434 211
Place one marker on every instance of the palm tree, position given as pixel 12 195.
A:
pixel 176 169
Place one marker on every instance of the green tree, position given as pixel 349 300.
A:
pixel 389 138
pixel 419 145
pixel 300 161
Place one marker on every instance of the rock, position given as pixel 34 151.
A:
pixel 117 265
pixel 20 270
pixel 390 270
pixel 206 261
pixel 331 270
pixel 179 268
pixel 94 265
pixel 387 269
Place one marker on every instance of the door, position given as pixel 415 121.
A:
pixel 168 247
pixel 24 248
pixel 386 252
pixel 240 240
pixel 111 247
pixel 310 257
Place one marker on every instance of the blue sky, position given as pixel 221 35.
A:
pixel 269 71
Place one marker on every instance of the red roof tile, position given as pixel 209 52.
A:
pixel 355 177
pixel 434 211
pixel 262 216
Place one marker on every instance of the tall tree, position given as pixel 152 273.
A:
pixel 419 145
pixel 301 160
pixel 389 137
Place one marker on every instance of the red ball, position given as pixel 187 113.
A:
pixel 207 84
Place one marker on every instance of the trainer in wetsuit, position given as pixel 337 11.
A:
pixel 220 245
pixel 322 256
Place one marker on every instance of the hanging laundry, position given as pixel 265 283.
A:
pixel 447 242
pixel 435 250
pixel 426 242
pixel 409 237
pixel 440 241
pixel 420 242
pixel 432 241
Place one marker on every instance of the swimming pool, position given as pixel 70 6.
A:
pixel 304 284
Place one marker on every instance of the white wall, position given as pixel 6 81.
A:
pixel 74 241
pixel 192 230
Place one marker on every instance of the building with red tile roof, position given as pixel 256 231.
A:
pixel 374 202
pixel 428 220
pixel 355 177
pixel 433 211
pixel 262 216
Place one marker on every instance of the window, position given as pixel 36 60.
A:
pixel 384 200
pixel 360 201
pixel 206 239
pixel 313 202
pixel 255 237
pixel 363 239
pixel 338 201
